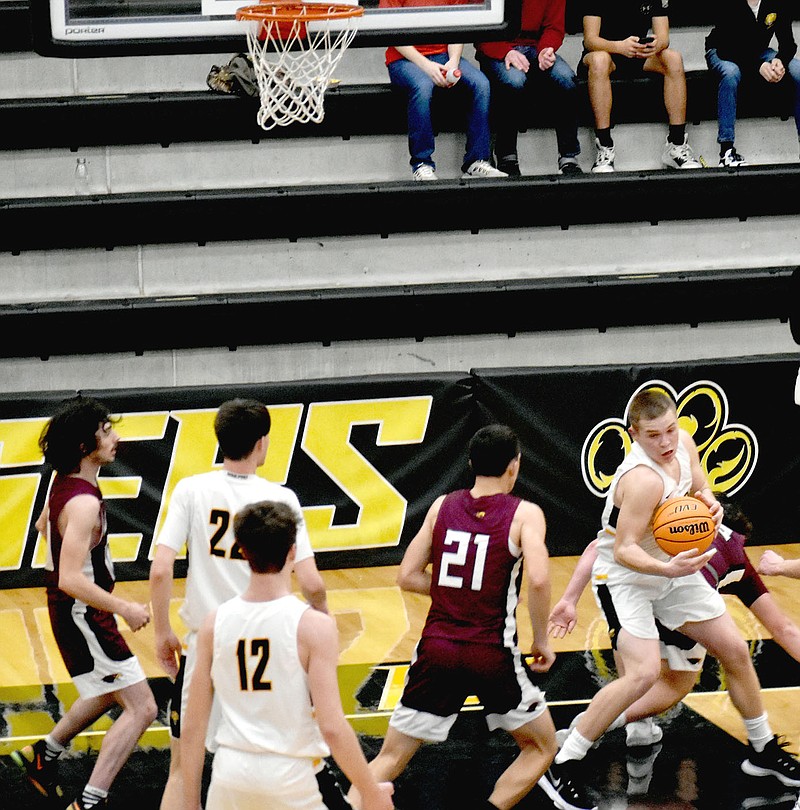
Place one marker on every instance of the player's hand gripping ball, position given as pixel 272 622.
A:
pixel 683 523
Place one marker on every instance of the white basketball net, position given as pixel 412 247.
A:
pixel 294 71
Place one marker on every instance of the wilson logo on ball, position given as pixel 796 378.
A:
pixel 702 527
pixel 683 523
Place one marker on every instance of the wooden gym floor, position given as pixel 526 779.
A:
pixel 695 765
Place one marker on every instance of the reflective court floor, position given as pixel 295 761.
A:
pixel 696 764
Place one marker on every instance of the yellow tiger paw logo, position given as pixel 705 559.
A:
pixel 728 450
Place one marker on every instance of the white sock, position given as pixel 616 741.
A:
pixel 618 723
pixel 52 749
pixel 758 731
pixel 576 746
pixel 92 795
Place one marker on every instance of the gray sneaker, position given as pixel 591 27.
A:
pixel 482 168
pixel 424 172
pixel 604 161
pixel 680 155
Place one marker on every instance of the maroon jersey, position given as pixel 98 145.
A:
pixel 98 566
pixel 476 570
pixel 730 570
pixel 74 623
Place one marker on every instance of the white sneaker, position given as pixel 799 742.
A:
pixel 642 732
pixel 425 172
pixel 482 168
pixel 604 162
pixel 680 155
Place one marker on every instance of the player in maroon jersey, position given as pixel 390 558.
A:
pixel 475 542
pixel 77 442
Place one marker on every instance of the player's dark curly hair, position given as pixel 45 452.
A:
pixel 69 435
pixel 733 516
pixel 239 424
pixel 265 532
pixel 492 449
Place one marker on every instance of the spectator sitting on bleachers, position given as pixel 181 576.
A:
pixel 615 40
pixel 530 61
pixel 739 47
pixel 419 70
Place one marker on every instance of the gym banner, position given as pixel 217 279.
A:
pixel 367 456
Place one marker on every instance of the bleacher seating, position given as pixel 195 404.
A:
pixel 417 311
pixel 326 312
pixel 350 109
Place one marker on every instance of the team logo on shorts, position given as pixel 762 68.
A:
pixel 114 676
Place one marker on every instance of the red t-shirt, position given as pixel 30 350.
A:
pixel 542 25
pixel 392 54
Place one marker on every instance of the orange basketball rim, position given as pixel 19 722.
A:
pixel 295 47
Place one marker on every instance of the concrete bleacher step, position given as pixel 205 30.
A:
pixel 394 312
pixel 547 255
pixel 307 211
pixel 321 229
pixel 291 163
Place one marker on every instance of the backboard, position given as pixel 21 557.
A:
pixel 76 28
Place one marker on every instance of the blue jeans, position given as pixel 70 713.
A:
pixel 558 81
pixel 729 75
pixel 419 87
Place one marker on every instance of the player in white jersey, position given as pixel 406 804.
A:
pixel 636 583
pixel 271 662
pixel 200 516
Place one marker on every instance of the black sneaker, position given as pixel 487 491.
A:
pixel 41 774
pixel 730 158
pixel 561 784
pixel 78 805
pixel 569 165
pixel 773 761
pixel 509 164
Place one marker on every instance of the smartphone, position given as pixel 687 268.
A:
pixel 645 40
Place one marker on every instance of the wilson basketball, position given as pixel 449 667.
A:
pixel 683 523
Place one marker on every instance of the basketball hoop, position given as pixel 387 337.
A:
pixel 295 49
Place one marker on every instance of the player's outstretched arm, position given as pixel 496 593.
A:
pixel 168 645
pixel 772 564
pixel 564 614
pixel 194 722
pixel 318 645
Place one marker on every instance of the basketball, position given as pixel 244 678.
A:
pixel 683 523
